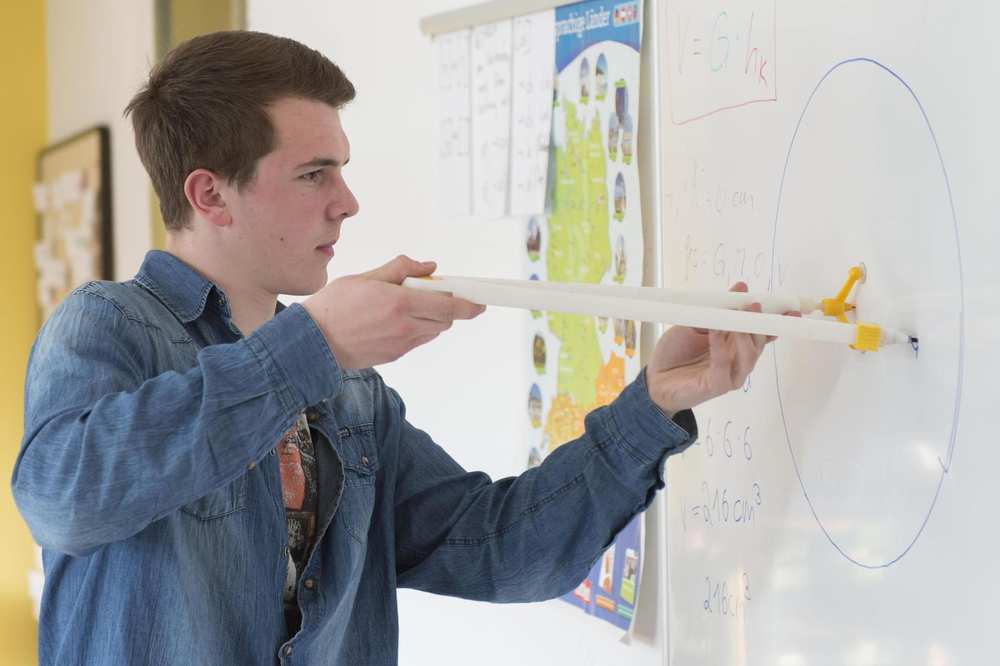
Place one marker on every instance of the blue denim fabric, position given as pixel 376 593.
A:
pixel 147 475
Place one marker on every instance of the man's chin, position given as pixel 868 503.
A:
pixel 305 288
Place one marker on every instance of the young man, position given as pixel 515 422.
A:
pixel 217 479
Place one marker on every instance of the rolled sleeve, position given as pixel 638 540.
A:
pixel 644 428
pixel 296 354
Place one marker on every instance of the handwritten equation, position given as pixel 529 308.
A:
pixel 723 506
pixel 725 250
pixel 726 598
pixel 720 56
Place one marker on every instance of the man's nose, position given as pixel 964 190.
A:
pixel 352 206
pixel 344 204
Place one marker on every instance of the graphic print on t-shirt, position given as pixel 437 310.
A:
pixel 297 460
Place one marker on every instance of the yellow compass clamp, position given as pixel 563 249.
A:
pixel 868 336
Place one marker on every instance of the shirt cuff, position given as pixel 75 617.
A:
pixel 297 355
pixel 643 426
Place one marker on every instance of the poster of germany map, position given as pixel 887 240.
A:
pixel 592 233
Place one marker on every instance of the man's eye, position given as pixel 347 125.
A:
pixel 312 176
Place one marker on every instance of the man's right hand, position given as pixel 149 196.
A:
pixel 369 319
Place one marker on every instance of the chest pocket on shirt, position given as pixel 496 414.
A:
pixel 220 503
pixel 360 458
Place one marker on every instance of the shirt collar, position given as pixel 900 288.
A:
pixel 175 283
pixel 181 288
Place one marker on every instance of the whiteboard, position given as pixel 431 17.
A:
pixel 838 508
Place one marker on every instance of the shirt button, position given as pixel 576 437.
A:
pixel 309 583
pixel 288 650
pixel 251 466
pixel 311 415
pixel 364 460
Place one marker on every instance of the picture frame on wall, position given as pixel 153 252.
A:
pixel 72 194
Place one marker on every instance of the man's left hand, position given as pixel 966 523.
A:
pixel 690 366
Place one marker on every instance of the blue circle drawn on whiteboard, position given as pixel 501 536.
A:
pixel 871 371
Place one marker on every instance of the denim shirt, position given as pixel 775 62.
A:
pixel 147 474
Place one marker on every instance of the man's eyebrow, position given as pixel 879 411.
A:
pixel 323 162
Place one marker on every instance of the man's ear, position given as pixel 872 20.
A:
pixel 203 190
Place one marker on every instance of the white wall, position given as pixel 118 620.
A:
pixel 463 388
pixel 99 53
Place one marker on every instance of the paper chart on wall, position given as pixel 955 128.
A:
pixel 491 102
pixel 592 234
pixel 453 140
pixel 531 113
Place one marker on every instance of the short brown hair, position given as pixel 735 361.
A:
pixel 205 107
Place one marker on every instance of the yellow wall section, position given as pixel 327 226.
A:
pixel 190 18
pixel 22 135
